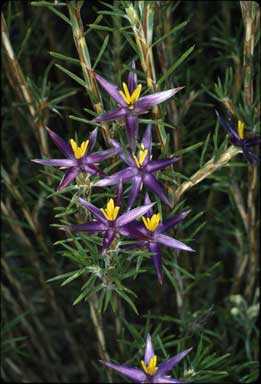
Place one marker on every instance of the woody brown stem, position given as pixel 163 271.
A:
pixel 143 33
pixel 250 14
pixel 97 322
pixel 82 49
pixel 20 86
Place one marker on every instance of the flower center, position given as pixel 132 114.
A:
pixel 151 223
pixel 240 129
pixel 151 368
pixel 142 155
pixel 79 151
pixel 110 212
pixel 130 98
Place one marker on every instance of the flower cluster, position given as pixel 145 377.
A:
pixel 111 221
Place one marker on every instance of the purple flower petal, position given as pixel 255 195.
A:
pixel 93 170
pixel 249 155
pixel 234 141
pixel 124 174
pixel 92 226
pixel 67 163
pixel 156 258
pixel 135 189
pixel 69 176
pixel 146 102
pixel 94 210
pixel 100 156
pixel 132 373
pixel 92 141
pixel 169 223
pixel 166 379
pixel 173 243
pixel 147 141
pixel 126 159
pixel 132 130
pixel 118 197
pixel 255 157
pixel 137 230
pixel 138 244
pixel 229 127
pixel 149 350
pixel 108 239
pixel 148 201
pixel 116 114
pixel 61 144
pixel 112 89
pixel 121 153
pixel 156 165
pixel 132 215
pixel 132 79
pixel 252 141
pixel 169 364
pixel 151 183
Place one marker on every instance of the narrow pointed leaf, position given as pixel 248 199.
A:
pixel 103 47
pixel 175 65
pixel 72 76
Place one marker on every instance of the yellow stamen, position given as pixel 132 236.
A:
pixel 152 367
pixel 136 94
pixel 126 91
pixel 110 212
pixel 151 223
pixel 240 129
pixel 142 156
pixel 79 151
pixel 130 99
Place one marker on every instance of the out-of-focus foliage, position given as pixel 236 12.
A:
pixel 209 299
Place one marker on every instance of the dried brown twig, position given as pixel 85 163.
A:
pixel 251 19
pixel 207 169
pixel 22 89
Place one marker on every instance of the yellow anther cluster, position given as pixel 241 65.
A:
pixel 110 212
pixel 142 155
pixel 240 129
pixel 130 98
pixel 152 222
pixel 79 151
pixel 152 367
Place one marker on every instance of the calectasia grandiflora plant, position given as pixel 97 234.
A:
pixel 111 220
pixel 131 214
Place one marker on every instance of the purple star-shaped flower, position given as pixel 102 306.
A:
pixel 140 170
pixel 150 234
pixel 78 159
pixel 237 138
pixel 108 220
pixel 130 103
pixel 150 372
